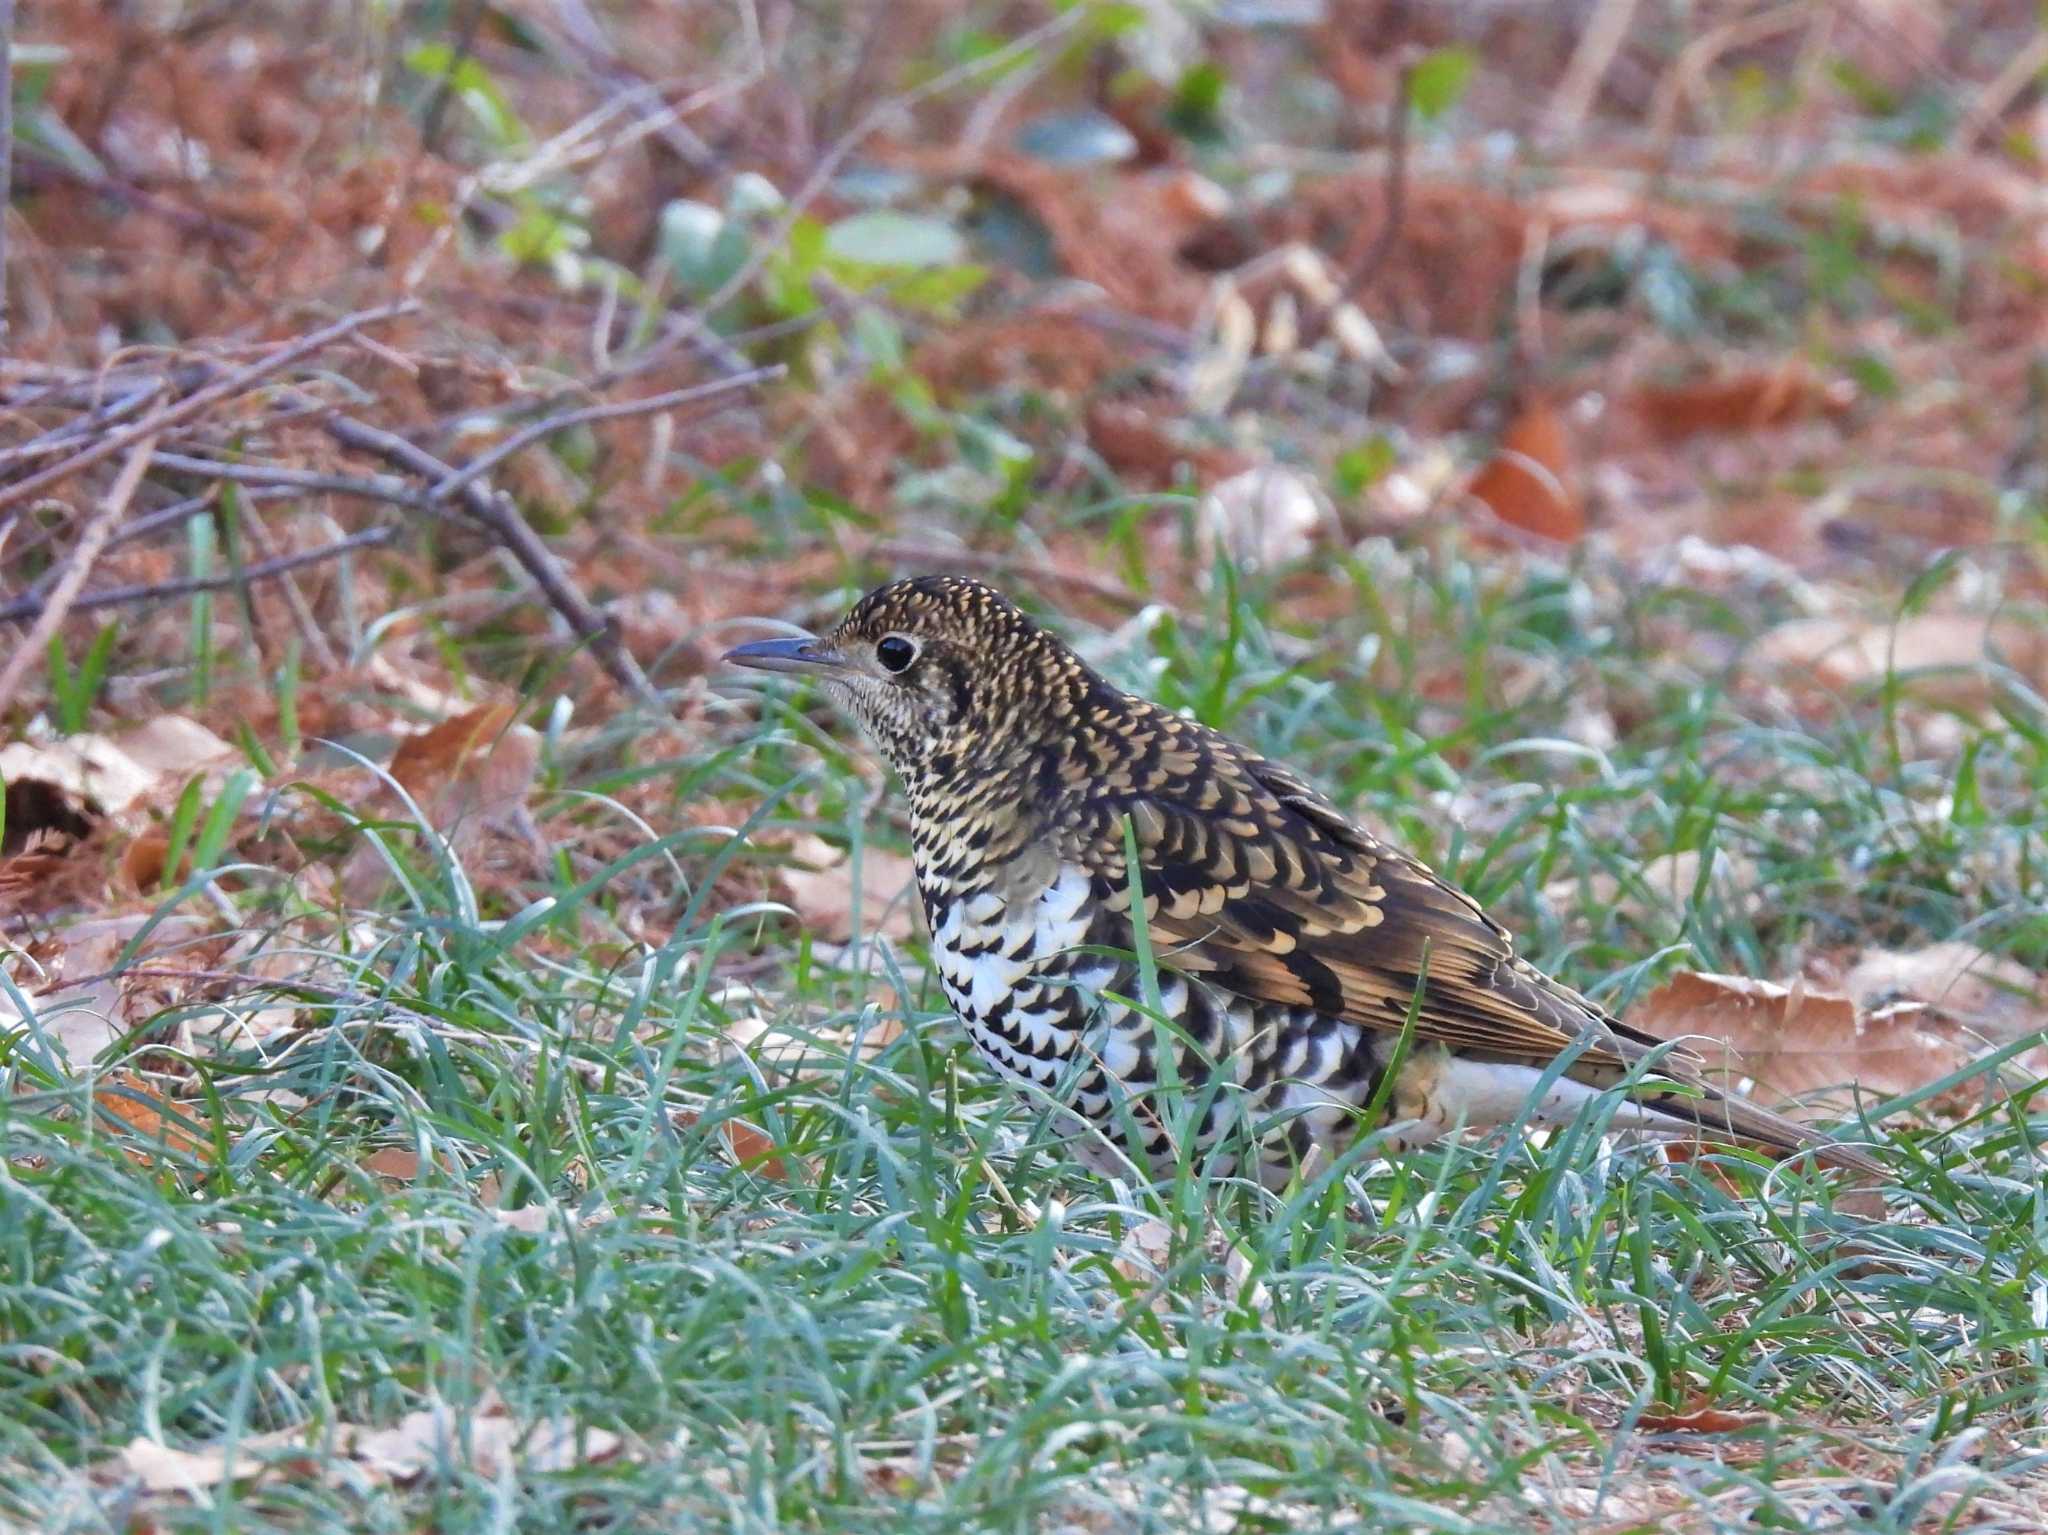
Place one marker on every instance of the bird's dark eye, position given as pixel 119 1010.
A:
pixel 895 652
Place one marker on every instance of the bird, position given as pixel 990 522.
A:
pixel 1307 983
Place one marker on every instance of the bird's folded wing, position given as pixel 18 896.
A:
pixel 1264 888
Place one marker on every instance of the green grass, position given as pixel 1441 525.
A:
pixel 928 1317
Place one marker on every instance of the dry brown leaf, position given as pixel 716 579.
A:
pixel 425 761
pixel 1950 649
pixel 395 1164
pixel 489 1443
pixel 470 768
pixel 1895 1035
pixel 174 748
pixel 1528 482
pixel 1265 517
pixel 161 1469
pixel 129 1100
pixel 1752 401
pixel 1789 1042
pixel 750 1147
pixel 142 863
pixel 1987 997
pixel 1699 1420
pixel 531 1219
pixel 825 897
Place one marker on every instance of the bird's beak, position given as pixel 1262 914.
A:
pixel 806 655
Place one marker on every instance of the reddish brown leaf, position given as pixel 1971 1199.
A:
pixel 426 761
pixel 1753 401
pixel 1527 483
pixel 1699 1420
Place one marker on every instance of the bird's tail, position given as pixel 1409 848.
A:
pixel 1719 1112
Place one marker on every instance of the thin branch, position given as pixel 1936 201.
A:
pixel 199 400
pixel 155 591
pixel 380 487
pixel 1598 44
pixel 90 542
pixel 485 462
pixel 60 438
pixel 496 514
pixel 1374 256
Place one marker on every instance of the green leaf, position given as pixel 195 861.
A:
pixel 886 238
pixel 1439 80
pixel 1363 465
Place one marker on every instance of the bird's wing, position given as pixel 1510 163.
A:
pixel 1256 882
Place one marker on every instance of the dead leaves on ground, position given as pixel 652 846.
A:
pixel 1528 483
pixel 1892 1023
pixel 485 1440
pixel 833 897
pixel 1943 659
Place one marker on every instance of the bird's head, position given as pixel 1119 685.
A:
pixel 944 674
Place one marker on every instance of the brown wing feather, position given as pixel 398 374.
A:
pixel 1255 881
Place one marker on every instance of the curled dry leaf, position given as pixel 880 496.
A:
pixel 1947 653
pixel 126 1098
pixel 821 887
pixel 474 766
pixel 1264 517
pixel 1908 1021
pixel 1751 401
pixel 161 1469
pixel 1528 482
pixel 1699 1419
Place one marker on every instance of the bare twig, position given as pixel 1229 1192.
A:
pixel 485 462
pixel 61 438
pixel 496 515
pixel 157 591
pixel 1591 60
pixel 199 400
pixel 1374 256
pixel 381 487
pixel 2024 68
pixel 62 599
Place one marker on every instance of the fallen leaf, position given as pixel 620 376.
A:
pixel 1527 483
pixel 1263 517
pixel 1991 998
pixel 753 1149
pixel 396 1164
pixel 128 1099
pixel 1143 1254
pixel 142 863
pixel 471 768
pixel 161 1469
pixel 825 896
pixel 1751 401
pixel 174 748
pixel 426 760
pixel 531 1219
pixel 486 1440
pixel 1947 654
pixel 1810 1043
pixel 90 769
pixel 1699 1420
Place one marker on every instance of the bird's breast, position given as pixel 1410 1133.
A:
pixel 1008 955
